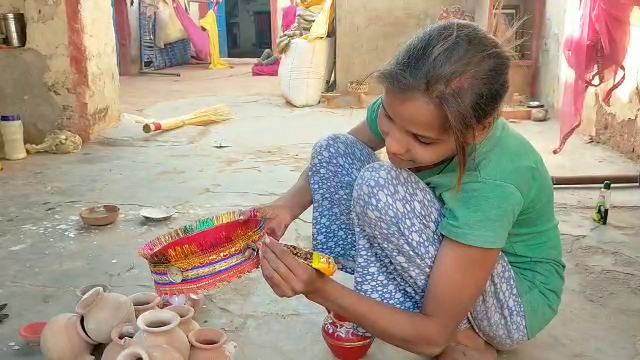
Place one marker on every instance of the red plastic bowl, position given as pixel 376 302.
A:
pixel 31 332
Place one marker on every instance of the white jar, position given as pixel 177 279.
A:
pixel 13 137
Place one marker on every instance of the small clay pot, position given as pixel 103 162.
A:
pixel 207 343
pixel 144 301
pixel 196 301
pixel 121 339
pixel 157 352
pixel 85 289
pixel 63 338
pixel 31 332
pixel 160 327
pixel 187 324
pixel 100 215
pixel 103 312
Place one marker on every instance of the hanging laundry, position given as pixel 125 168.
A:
pixel 209 22
pixel 199 38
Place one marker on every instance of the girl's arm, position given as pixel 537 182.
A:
pixel 458 278
pixel 298 197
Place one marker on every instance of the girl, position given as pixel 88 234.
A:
pixel 454 245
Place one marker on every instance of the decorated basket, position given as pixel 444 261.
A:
pixel 203 255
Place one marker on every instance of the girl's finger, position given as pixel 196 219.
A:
pixel 274 280
pixel 278 265
pixel 285 256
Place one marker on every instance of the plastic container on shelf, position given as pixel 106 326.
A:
pixel 12 133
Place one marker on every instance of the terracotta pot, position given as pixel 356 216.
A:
pixel 103 312
pixel 208 344
pixel 160 327
pixel 344 338
pixel 157 352
pixel 196 301
pixel 64 339
pixel 121 339
pixel 144 301
pixel 187 324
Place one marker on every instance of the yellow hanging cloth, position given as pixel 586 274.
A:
pixel 211 25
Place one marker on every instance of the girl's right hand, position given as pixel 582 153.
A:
pixel 278 215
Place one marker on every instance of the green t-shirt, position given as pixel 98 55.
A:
pixel 506 201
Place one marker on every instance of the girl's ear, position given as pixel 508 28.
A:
pixel 481 131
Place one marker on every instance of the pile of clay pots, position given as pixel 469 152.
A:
pixel 132 328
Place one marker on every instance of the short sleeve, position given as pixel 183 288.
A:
pixel 372 117
pixel 482 213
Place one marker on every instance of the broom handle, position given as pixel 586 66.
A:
pixel 596 179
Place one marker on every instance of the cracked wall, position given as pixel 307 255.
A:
pixel 44 83
pixel 37 86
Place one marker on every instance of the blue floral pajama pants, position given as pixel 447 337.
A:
pixel 380 223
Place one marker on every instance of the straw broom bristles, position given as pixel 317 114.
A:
pixel 214 114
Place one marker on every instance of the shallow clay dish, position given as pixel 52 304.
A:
pixel 157 214
pixel 85 289
pixel 31 333
pixel 100 215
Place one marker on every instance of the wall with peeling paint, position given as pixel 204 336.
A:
pixel 37 86
pixel 104 82
pixel 41 85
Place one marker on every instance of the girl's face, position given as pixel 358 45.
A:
pixel 414 131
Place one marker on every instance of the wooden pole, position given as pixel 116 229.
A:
pixel 596 179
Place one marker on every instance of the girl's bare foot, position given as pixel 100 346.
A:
pixel 468 345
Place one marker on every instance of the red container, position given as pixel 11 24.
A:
pixel 31 332
pixel 345 340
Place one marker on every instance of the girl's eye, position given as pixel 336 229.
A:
pixel 425 141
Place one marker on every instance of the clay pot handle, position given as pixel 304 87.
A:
pixel 230 347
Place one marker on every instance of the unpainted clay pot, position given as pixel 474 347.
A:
pixel 207 344
pixel 144 301
pixel 187 324
pixel 160 327
pixel 103 312
pixel 121 339
pixel 196 301
pixel 64 339
pixel 156 352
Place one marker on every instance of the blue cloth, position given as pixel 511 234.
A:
pixel 380 223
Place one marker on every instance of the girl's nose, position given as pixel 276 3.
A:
pixel 395 143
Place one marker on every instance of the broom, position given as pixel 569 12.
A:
pixel 215 114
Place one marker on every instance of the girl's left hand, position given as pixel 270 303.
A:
pixel 287 275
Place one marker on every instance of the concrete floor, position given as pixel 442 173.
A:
pixel 48 254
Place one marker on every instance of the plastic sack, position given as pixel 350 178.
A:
pixel 303 71
pixel 168 27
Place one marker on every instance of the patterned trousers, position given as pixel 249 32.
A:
pixel 381 222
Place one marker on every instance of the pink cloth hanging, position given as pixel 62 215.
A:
pixel 199 38
pixel 599 46
pixel 289 17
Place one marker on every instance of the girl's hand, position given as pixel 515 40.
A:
pixel 279 216
pixel 286 275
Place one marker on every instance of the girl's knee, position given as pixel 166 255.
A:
pixel 334 144
pixel 383 192
pixel 343 151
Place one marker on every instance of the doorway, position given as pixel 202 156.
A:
pixel 248 27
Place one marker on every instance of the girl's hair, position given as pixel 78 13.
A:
pixel 461 68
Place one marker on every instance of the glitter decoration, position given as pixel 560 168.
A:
pixel 205 254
